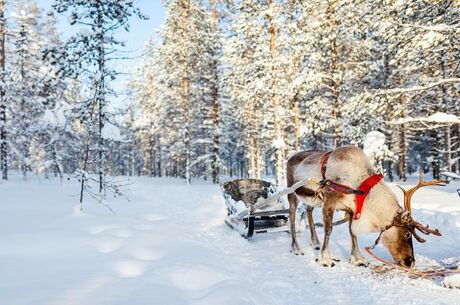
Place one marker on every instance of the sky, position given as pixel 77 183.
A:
pixel 140 32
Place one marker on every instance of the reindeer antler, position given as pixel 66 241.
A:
pixel 406 217
pixel 421 183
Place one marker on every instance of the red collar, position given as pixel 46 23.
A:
pixel 360 193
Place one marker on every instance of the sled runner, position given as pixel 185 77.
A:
pixel 249 211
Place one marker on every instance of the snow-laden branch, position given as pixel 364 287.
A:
pixel 440 118
pixel 434 28
pixel 415 88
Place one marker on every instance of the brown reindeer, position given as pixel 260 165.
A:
pixel 342 173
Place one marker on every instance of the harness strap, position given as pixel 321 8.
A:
pixel 360 193
pixel 365 187
pixel 324 163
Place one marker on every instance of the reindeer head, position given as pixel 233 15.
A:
pixel 397 238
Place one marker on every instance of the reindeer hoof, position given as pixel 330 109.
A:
pixel 359 262
pixel 297 252
pixel 326 262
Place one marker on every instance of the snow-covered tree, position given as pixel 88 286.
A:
pixel 88 54
pixel 25 82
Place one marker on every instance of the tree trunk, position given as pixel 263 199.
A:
pixel 402 153
pixel 390 163
pixel 456 140
pixel 436 159
pixel 185 83
pixel 294 71
pixel 277 132
pixel 215 97
pixel 186 109
pixel 158 167
pixel 448 148
pixel 3 134
pixel 336 111
pixel 100 97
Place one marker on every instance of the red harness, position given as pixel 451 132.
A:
pixel 360 193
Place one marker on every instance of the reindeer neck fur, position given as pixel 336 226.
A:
pixel 349 165
pixel 379 210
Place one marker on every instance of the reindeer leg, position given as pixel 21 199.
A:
pixel 356 258
pixel 311 224
pixel 292 211
pixel 324 257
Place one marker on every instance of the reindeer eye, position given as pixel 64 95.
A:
pixel 407 235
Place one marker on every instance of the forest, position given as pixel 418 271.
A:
pixel 148 152
pixel 232 87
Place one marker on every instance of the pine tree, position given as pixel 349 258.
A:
pixel 25 82
pixel 89 52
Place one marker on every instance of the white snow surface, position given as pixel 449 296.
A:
pixel 170 245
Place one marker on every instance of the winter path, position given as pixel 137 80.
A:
pixel 169 245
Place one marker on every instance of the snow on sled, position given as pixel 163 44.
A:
pixel 249 211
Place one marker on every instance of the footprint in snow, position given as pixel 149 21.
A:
pixel 147 254
pixel 129 268
pixel 196 278
pixel 155 217
pixel 143 227
pixel 123 233
pixel 109 245
pixel 94 230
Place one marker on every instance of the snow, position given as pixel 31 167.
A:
pixel 55 118
pixel 373 142
pixel 450 175
pixel 375 149
pixel 438 117
pixel 111 132
pixel 169 245
pixel 49 118
pixel 452 281
pixel 441 117
pixel 278 143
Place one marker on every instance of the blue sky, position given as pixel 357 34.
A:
pixel 140 32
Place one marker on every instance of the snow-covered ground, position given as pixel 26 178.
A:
pixel 169 245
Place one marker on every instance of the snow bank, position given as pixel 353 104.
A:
pixel 452 281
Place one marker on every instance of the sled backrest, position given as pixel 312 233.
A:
pixel 248 190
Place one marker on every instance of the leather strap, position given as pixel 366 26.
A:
pixel 360 193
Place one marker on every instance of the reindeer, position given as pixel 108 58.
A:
pixel 349 184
